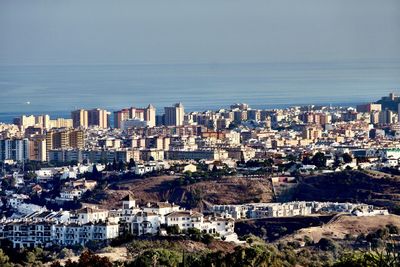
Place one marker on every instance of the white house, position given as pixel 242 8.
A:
pixel 89 215
pixel 185 219
pixel 16 200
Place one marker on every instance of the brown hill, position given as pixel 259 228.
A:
pixel 226 190
pixel 351 186
pixel 346 225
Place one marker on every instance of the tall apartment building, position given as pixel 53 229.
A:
pixel 25 121
pixel 312 133
pixel 14 149
pixel 147 114
pixel 61 123
pixel 98 117
pixel 120 116
pixel 43 121
pixel 64 139
pixel 80 118
pixel 387 116
pixel 239 115
pixel 77 139
pixel 254 114
pixel 37 148
pixel 370 107
pixel 174 115
pixel 150 115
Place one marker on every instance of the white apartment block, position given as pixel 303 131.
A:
pixel 290 209
pixel 46 228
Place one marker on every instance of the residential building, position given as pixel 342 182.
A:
pixel 14 149
pixel 174 116
pixel 80 118
pixel 98 117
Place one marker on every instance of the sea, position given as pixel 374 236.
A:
pixel 58 89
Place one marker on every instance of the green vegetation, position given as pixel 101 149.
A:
pixel 255 252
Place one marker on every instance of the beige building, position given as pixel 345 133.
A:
pixel 80 118
pixel 152 154
pixel 174 116
pixel 61 123
pixel 98 117
pixel 64 139
pixel 37 148
pixel 312 133
pixel 150 115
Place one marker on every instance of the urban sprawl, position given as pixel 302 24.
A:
pixel 64 157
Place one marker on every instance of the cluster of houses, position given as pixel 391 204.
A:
pixel 67 228
pixel 295 208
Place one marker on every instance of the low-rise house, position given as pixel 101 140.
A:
pixel 16 200
pixel 151 166
pixel 146 223
pixel 185 219
pixel 71 194
pixel 44 174
pixel 89 215
pixel 189 168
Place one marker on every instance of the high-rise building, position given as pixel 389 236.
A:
pixel 253 114
pixel 98 117
pixel 147 114
pixel 37 148
pixel 80 118
pixel 174 115
pixel 64 139
pixel 25 121
pixel 120 116
pixel 136 113
pixel 370 107
pixel 387 116
pixel 61 123
pixel 150 115
pixel 43 121
pixel 239 115
pixel 14 149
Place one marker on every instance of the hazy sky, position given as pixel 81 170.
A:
pixel 212 31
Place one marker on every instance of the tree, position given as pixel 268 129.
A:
pixel 121 165
pixel 214 169
pixel 319 160
pixel 327 244
pixel 393 229
pixel 95 173
pixel 291 157
pixel 158 257
pixel 173 229
pixel 88 259
pixel 347 158
pixel 4 259
pixel 65 253
pixel 371 259
pixel 114 165
pixel 131 164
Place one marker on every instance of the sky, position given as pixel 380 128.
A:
pixel 202 31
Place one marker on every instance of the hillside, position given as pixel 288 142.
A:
pixel 352 186
pixel 227 190
pixel 273 228
pixel 345 225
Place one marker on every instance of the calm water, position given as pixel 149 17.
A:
pixel 59 89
